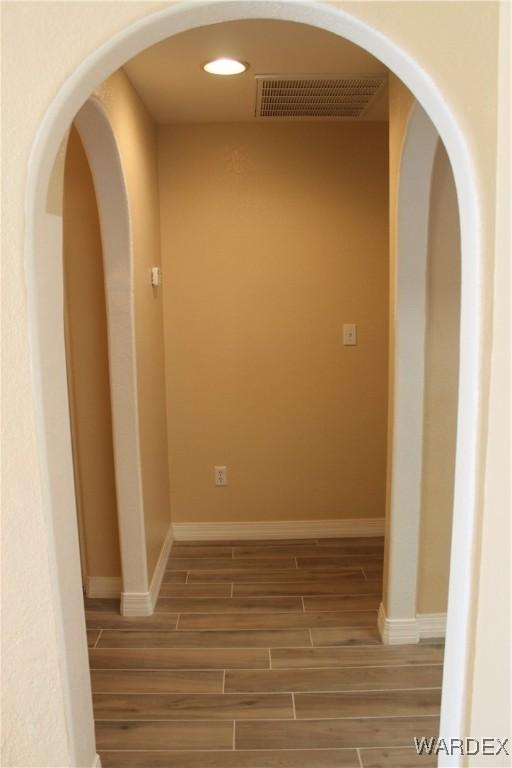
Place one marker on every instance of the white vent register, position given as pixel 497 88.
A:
pixel 328 97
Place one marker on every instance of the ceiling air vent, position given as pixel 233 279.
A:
pixel 326 97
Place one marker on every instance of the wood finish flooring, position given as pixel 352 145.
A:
pixel 261 655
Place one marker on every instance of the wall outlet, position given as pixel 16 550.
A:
pixel 221 475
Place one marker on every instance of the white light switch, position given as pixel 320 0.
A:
pixel 349 334
pixel 155 276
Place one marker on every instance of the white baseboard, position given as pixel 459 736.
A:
pixel 158 574
pixel 143 603
pixel 103 586
pixel 397 631
pixel 96 762
pixel 285 529
pixel 423 626
pixel 136 604
pixel 431 625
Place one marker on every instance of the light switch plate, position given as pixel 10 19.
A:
pixel 349 334
pixel 155 277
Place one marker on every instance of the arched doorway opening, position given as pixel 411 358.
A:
pixel 47 333
pixel 398 621
pixel 100 146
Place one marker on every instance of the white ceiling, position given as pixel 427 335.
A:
pixel 169 78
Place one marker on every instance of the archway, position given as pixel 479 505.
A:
pixel 102 152
pixel 43 250
pixel 397 621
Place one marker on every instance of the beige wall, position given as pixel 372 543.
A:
pixel 462 63
pixel 272 238
pixel 491 710
pixel 88 374
pixel 135 134
pixel 441 381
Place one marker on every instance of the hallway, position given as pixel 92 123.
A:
pixel 261 654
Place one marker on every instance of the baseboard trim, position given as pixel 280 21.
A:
pixel 136 604
pixel 285 529
pixel 397 631
pixel 425 626
pixel 158 575
pixel 143 603
pixel 431 625
pixel 96 763
pixel 103 586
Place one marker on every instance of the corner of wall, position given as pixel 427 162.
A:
pixel 144 603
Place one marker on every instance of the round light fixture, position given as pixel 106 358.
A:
pixel 225 67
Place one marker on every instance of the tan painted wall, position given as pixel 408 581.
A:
pixel 88 375
pixel 441 382
pixel 272 238
pixel 136 137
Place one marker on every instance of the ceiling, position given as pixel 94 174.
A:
pixel 170 81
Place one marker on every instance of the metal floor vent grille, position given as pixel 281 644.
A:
pixel 319 96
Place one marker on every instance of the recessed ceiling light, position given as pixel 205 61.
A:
pixel 225 67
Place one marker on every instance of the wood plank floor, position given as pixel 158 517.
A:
pixel 261 654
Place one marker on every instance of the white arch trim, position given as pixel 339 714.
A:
pixel 93 70
pixel 398 623
pixel 102 152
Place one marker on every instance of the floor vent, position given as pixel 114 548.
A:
pixel 325 97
